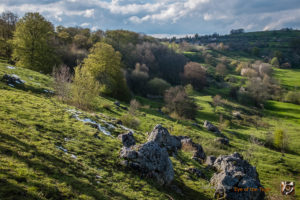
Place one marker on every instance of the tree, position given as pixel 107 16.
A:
pixel 32 43
pixel 195 74
pixel 221 69
pixel 275 62
pixel 62 82
pixel 157 86
pixel 280 139
pixel 104 64
pixel 85 89
pixel 8 22
pixel 179 103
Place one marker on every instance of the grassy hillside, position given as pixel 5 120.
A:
pixel 46 153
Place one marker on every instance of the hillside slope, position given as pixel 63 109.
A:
pixel 47 153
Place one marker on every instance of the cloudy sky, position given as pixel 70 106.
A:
pixel 176 17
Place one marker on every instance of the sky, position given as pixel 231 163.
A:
pixel 165 17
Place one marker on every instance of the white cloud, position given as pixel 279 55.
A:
pixel 85 24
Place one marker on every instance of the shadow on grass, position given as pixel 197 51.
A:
pixel 54 168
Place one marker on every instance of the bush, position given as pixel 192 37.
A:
pixel 134 106
pixel 130 121
pixel 280 140
pixel 189 89
pixel 221 69
pixel 275 62
pixel 293 97
pixel 195 74
pixel 248 72
pixel 217 101
pixel 85 89
pixel 138 79
pixel 157 86
pixel 62 78
pixel 178 102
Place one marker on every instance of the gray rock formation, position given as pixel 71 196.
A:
pixel 196 172
pixel 210 127
pixel 235 174
pixel 127 139
pixel 162 136
pixel 188 145
pixel 210 160
pixel 222 140
pixel 151 160
pixel 12 79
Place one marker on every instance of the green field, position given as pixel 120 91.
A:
pixel 34 125
pixel 289 78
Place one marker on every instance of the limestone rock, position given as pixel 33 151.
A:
pixel 151 160
pixel 162 136
pixel 234 172
pixel 189 145
pixel 127 139
pixel 210 127
pixel 222 140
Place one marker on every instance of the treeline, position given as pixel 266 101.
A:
pixel 85 63
pixel 282 45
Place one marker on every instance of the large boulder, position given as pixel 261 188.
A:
pixel 236 179
pixel 127 139
pixel 151 160
pixel 161 136
pixel 210 127
pixel 188 145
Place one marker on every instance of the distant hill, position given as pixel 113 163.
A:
pixel 284 44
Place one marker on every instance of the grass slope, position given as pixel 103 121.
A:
pixel 34 127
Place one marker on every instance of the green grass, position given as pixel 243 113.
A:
pixel 33 124
pixel 289 78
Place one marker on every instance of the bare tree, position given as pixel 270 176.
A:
pixel 62 78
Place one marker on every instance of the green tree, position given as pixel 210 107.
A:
pixel 280 139
pixel 32 42
pixel 275 62
pixel 104 64
pixel 85 89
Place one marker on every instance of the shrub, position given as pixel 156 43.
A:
pixel 293 97
pixel 157 86
pixel 177 101
pixel 248 72
pixel 280 140
pixel 265 69
pixel 130 121
pixel 217 101
pixel 85 89
pixel 134 106
pixel 275 62
pixel 138 79
pixel 269 139
pixel 241 66
pixel 221 69
pixel 62 78
pixel 189 89
pixel 195 74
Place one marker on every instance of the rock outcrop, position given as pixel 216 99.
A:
pixel 210 127
pixel 127 139
pixel 188 145
pixel 236 179
pixel 222 140
pixel 161 136
pixel 151 160
pixel 12 79
pixel 210 160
